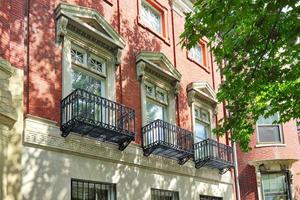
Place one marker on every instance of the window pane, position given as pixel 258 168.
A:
pixel 201 132
pixel 269 134
pixel 97 65
pixel 275 186
pixel 154 112
pixel 77 56
pixel 268 120
pixel 151 17
pixel 157 194
pixel 196 54
pixel 85 82
pixel 205 115
pixel 149 90
pixel 85 190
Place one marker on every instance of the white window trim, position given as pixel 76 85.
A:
pixel 210 109
pixel 170 107
pixel 144 21
pixel 70 42
pixel 269 143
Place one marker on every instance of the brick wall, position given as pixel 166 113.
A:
pixel 44 73
pixel 12 33
pixel 290 150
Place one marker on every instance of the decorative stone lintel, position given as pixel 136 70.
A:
pixel 203 92
pixel 283 164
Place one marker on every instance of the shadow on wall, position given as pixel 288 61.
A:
pixel 184 110
pixel 137 39
pixel 45 58
pixel 248 185
pixel 47 175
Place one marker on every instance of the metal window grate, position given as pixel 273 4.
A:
pixel 157 194
pixel 91 190
pixel 204 197
pixel 298 124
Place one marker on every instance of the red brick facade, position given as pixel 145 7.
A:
pixel 28 41
pixel 289 150
pixel 43 71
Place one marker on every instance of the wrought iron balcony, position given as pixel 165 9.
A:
pixel 94 116
pixel 213 154
pixel 168 140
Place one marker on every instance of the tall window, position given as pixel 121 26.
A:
pixel 196 53
pixel 157 194
pixel 156 102
pixel 267 131
pixel 275 186
pixel 88 71
pixel 90 190
pixel 202 124
pixel 151 17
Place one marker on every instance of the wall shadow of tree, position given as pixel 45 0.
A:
pixel 137 39
pixel 248 180
pixel 48 172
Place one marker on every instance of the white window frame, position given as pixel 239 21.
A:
pixel 281 173
pixel 146 21
pixel 209 109
pixel 169 105
pixel 280 133
pixel 200 107
pixel 193 56
pixel 87 70
pixel 80 44
pixel 154 99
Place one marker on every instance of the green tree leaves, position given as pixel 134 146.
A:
pixel 257 43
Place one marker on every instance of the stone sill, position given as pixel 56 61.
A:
pixel 269 145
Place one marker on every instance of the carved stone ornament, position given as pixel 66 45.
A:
pixel 141 66
pixel 176 87
pixel 61 28
pixel 118 56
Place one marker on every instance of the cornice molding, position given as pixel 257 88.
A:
pixel 68 15
pixel 158 64
pixel 202 91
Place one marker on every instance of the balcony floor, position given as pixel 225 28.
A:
pixel 99 131
pixel 166 150
pixel 212 163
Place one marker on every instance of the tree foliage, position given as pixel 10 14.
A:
pixel 257 44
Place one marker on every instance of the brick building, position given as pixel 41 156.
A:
pixel 112 105
pixel 271 169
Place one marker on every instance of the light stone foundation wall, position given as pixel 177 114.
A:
pixel 11 128
pixel 49 161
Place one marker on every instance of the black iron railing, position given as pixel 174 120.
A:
pixel 168 140
pixel 213 154
pixel 88 114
